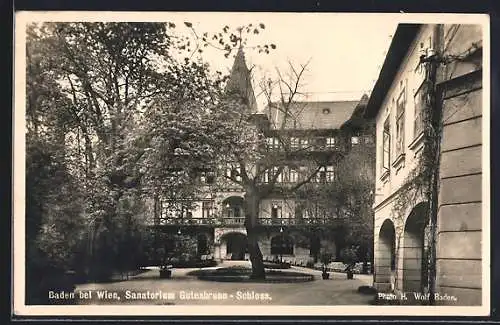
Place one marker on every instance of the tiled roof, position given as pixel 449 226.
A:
pixel 313 115
pixel 240 80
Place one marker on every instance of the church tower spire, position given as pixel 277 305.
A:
pixel 240 81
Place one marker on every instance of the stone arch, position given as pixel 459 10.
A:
pixel 414 248
pixel 385 256
pixel 202 244
pixel 236 245
pixel 233 209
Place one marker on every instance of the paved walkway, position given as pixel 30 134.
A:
pixel 182 289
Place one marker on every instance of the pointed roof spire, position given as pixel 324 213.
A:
pixel 240 80
pixel 364 100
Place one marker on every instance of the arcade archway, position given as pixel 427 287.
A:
pixel 385 256
pixel 415 261
pixel 236 246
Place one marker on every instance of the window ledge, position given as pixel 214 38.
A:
pixel 416 141
pixel 385 175
pixel 399 160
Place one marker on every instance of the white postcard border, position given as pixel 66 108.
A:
pixel 18 238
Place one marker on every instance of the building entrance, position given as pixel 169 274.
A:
pixel 236 246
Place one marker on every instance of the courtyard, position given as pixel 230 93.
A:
pixel 184 289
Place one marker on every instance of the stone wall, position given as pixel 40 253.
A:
pixel 459 248
pixel 301 251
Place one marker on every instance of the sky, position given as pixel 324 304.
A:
pixel 345 51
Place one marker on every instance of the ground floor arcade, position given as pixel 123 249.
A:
pixel 297 246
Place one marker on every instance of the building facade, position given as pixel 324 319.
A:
pixel 403 235
pixel 289 230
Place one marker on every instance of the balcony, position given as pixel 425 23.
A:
pixel 240 222
pixel 298 146
pixel 201 221
pixel 181 221
pixel 293 221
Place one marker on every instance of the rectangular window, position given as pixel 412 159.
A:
pixel 285 175
pixel 294 143
pixel 354 140
pixel 293 176
pixel 207 177
pixel 329 174
pixel 275 210
pixel 304 143
pixel 265 176
pixel 210 177
pixel 233 172
pixel 206 209
pixel 270 142
pixel 279 179
pixel 400 123
pixel 273 143
pixel 386 145
pixel 322 175
pixel 418 126
pixel 330 143
pixel 237 212
pixel 171 211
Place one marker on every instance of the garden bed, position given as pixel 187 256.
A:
pixel 276 266
pixel 242 274
pixel 192 264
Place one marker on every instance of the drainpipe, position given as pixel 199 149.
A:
pixel 435 111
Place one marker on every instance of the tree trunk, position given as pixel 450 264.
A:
pixel 251 222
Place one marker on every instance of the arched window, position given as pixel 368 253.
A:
pixel 233 207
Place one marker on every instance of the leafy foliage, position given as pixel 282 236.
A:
pixel 112 115
pixel 347 201
pixel 349 255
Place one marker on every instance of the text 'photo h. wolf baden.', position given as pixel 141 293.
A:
pixel 177 161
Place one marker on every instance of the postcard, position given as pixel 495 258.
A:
pixel 170 163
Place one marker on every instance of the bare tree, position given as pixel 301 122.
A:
pixel 263 151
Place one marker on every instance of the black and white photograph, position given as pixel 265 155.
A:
pixel 239 163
